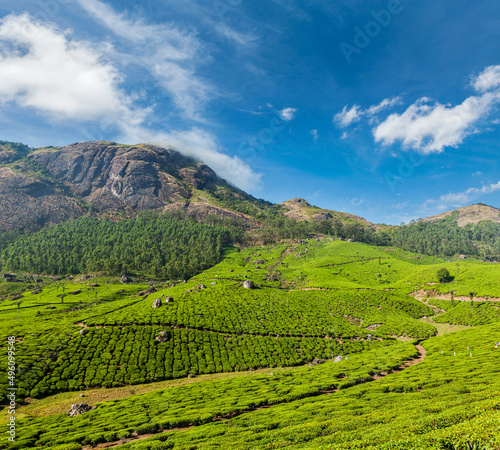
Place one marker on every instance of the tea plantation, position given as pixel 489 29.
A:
pixel 281 307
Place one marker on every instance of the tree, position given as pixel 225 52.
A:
pixel 443 275
pixel 331 335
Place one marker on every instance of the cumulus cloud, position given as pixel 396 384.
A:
pixel 458 199
pixel 41 68
pixel 287 114
pixel 488 79
pixel 429 126
pixel 387 103
pixel 348 116
pixel 169 53
pixel 203 146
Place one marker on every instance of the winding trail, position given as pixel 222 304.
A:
pixel 135 437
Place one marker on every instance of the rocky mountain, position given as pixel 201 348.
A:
pixel 468 214
pixel 49 185
pixel 112 176
pixel 52 184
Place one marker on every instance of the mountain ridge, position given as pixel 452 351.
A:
pixel 471 214
pixel 49 185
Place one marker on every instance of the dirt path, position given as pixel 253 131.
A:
pixel 348 262
pixel 134 438
pixel 422 294
pixel 441 327
pixel 422 352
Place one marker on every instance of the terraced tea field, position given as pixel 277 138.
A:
pixel 312 300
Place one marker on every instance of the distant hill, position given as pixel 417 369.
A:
pixel 300 210
pixel 52 185
pixel 49 185
pixel 466 215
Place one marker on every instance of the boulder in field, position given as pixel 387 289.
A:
pixel 316 362
pixel 157 303
pixel 338 359
pixel 125 280
pixel 148 291
pixel 162 336
pixel 79 408
pixel 169 299
pixel 249 284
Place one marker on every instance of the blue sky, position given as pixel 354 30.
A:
pixel 386 109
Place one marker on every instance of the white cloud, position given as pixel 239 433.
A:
pixel 430 126
pixel 41 68
pixel 315 134
pixel 458 199
pixel 287 114
pixel 348 116
pixel 387 103
pixel 170 54
pixel 203 146
pixel 488 79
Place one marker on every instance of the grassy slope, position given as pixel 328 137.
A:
pixel 335 285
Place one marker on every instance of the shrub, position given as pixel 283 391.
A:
pixel 443 275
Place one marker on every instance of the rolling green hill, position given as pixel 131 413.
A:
pixel 311 299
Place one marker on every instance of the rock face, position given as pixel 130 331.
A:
pixel 249 284
pixel 30 201
pixel 113 176
pixel 109 176
pixel 79 408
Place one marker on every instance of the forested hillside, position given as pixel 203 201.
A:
pixel 157 246
pixel 447 238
